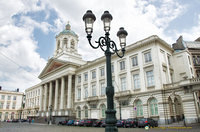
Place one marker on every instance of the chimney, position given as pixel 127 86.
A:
pixel 17 89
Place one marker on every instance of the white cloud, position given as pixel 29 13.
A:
pixel 20 64
pixel 140 18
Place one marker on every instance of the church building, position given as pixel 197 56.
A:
pixel 152 80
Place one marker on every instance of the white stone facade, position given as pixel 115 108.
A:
pixel 10 105
pixel 151 80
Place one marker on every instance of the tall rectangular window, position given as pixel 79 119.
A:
pixel 103 90
pixel 112 68
pixel 85 76
pixel 134 61
pixel 79 93
pixel 2 97
pixel 79 78
pixel 168 59
pixel 9 97
pixel 150 78
pixel 93 74
pixel 1 105
pixel 86 91
pixel 136 81
pixel 8 105
pixel 13 105
pixel 122 65
pixel 93 90
pixel 147 57
pixel 123 83
pixel 14 97
pixel 102 72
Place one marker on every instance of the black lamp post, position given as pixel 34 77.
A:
pixel 50 114
pixel 109 47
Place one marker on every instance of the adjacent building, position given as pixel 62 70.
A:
pixel 151 80
pixel 10 104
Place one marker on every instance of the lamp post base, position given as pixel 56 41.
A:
pixel 50 123
pixel 111 128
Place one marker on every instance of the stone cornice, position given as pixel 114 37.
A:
pixel 129 48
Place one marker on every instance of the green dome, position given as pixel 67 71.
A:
pixel 68 31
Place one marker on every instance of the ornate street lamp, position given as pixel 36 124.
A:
pixel 50 114
pixel 109 47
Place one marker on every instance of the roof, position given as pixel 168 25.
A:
pixel 193 44
pixel 67 31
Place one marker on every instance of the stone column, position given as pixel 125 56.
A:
pixel 41 98
pixel 45 98
pixel 69 96
pixel 56 95
pixel 50 93
pixel 62 93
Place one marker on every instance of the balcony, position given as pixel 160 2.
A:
pixel 92 98
pixel 186 82
pixel 122 93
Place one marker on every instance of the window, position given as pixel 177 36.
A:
pixel 79 93
pixel 189 60
pixel 9 97
pixel 102 73
pixel 168 58
pixel 153 107
pixel 93 90
pixel 85 76
pixel 147 57
pixel 136 81
pixel 14 97
pixel 112 68
pixel 65 41
pixel 14 105
pixel 123 83
pixel 86 111
pixel 1 105
pixel 38 91
pixel 86 91
pixel 103 109
pixel 93 106
pixel 0 115
pixel 124 102
pixel 139 108
pixel 134 61
pixel 150 78
pixel 2 97
pixel 79 79
pixel 79 112
pixel 122 65
pixel 103 90
pixel 8 105
pixel 93 74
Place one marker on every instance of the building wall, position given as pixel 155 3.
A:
pixel 11 105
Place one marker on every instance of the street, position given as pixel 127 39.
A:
pixel 25 127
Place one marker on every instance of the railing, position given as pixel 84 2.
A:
pixel 122 93
pixel 182 82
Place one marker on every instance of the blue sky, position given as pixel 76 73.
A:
pixel 28 29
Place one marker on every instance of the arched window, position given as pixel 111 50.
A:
pixel 79 112
pixel 72 44
pixel 6 116
pixel 139 108
pixel 65 42
pixel 86 111
pixel 153 103
pixel 103 110
pixel 58 44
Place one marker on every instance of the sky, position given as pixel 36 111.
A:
pixel 28 29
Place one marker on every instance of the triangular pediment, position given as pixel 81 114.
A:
pixel 52 65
